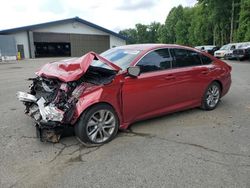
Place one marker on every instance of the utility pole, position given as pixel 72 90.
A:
pixel 232 22
pixel 214 36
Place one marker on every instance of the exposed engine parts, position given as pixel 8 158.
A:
pixel 52 102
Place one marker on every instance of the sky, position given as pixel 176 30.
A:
pixel 114 15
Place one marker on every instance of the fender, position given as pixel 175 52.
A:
pixel 110 94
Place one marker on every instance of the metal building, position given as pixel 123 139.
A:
pixel 69 37
pixel 8 49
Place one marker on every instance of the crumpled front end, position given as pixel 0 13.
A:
pixel 51 104
pixel 54 93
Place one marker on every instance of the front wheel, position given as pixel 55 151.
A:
pixel 211 96
pixel 98 125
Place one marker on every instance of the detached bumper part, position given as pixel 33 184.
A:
pixel 48 118
pixel 50 112
pixel 25 97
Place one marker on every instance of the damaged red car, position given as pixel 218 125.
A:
pixel 100 94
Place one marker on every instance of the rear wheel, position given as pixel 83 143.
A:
pixel 211 96
pixel 98 125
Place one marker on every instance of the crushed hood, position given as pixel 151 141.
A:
pixel 72 69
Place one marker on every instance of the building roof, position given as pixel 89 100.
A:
pixel 69 20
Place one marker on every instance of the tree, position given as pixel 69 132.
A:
pixel 131 35
pixel 182 27
pixel 209 22
pixel 142 33
pixel 243 33
pixel 153 32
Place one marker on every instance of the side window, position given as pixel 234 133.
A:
pixel 156 60
pixel 185 58
pixel 206 60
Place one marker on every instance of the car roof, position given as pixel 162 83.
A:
pixel 206 46
pixel 147 47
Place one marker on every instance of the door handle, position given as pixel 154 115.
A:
pixel 205 72
pixel 212 68
pixel 169 77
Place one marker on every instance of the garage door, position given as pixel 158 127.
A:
pixel 51 37
pixel 62 44
pixel 81 44
pixel 51 44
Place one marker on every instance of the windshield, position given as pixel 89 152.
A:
pixel 120 57
pixel 225 47
pixel 209 47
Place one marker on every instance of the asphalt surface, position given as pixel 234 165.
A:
pixel 193 148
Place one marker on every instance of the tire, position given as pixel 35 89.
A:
pixel 97 125
pixel 211 97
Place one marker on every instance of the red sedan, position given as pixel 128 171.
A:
pixel 99 94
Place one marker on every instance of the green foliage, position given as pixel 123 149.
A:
pixel 243 33
pixel 142 33
pixel 131 34
pixel 208 22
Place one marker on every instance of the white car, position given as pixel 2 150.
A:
pixel 225 51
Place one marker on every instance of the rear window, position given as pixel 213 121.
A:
pixel 206 60
pixel 185 58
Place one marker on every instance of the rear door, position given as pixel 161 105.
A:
pixel 193 74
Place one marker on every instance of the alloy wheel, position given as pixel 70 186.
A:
pixel 213 96
pixel 101 126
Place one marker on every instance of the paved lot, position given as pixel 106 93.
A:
pixel 187 149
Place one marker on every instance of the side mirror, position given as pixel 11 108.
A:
pixel 134 71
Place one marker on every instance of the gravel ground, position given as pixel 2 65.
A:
pixel 193 148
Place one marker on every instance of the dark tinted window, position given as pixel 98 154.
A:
pixel 184 58
pixel 156 60
pixel 206 60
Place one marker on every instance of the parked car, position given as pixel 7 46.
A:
pixel 242 53
pixel 225 51
pixel 99 94
pixel 210 49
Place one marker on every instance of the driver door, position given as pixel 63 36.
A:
pixel 149 93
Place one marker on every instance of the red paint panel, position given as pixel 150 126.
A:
pixel 71 69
